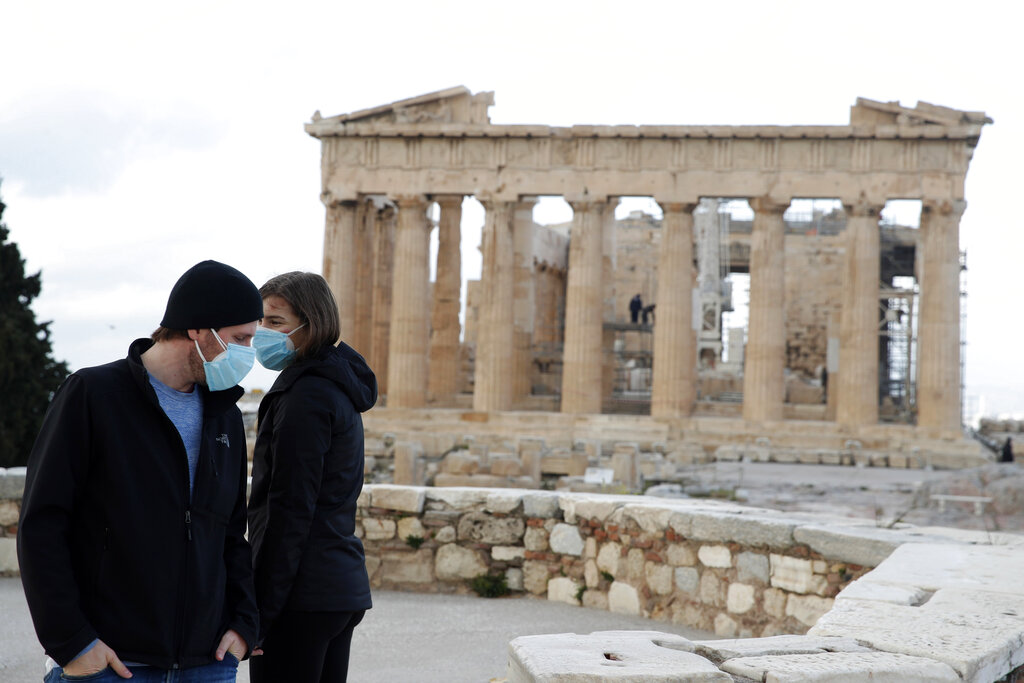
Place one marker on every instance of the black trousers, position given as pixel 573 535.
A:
pixel 306 647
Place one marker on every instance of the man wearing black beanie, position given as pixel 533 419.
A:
pixel 131 540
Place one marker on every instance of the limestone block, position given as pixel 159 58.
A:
pixel 12 482
pixel 399 498
pixel 807 608
pixel 535 539
pixel 752 567
pixel 715 556
pixel 608 656
pixel 608 558
pixel 484 528
pixel 687 579
pixel 455 563
pixel 540 504
pixel 796 575
pixel 729 453
pixel 626 469
pixel 365 496
pixel 898 594
pixel 721 650
pixel 445 535
pixel 507 553
pixel 932 566
pixel 402 566
pixel 712 590
pixel 745 529
pixel 595 600
pixel 566 540
pixel 775 602
pixel 680 555
pixel 410 468
pixel 9 512
pixel 635 561
pixel 378 529
pixel 592 506
pixel 479 481
pixel 740 598
pixel 866 546
pixel 565 463
pixel 410 526
pixel 659 578
pixel 535 577
pixel 725 625
pixel 855 667
pixel 503 501
pixel 651 518
pixel 514 578
pixel 591 575
pixel 590 547
pixel 563 589
pixel 506 467
pixel 459 498
pixel 8 555
pixel 623 599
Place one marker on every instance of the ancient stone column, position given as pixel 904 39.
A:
pixel 938 338
pixel 525 298
pixel 608 305
pixel 495 348
pixel 383 278
pixel 362 255
pixel 584 307
pixel 765 357
pixel 444 317
pixel 675 341
pixel 407 356
pixel 339 261
pixel 857 384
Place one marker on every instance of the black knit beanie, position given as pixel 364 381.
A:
pixel 211 294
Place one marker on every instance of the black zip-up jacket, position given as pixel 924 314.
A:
pixel 307 473
pixel 109 544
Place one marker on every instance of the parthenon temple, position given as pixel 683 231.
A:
pixel 853 328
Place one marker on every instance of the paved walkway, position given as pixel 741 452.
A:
pixel 406 637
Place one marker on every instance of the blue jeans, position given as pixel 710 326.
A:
pixel 218 672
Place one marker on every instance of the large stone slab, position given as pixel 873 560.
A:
pixel 849 667
pixel 540 504
pixel 591 506
pixel 400 498
pixel 620 656
pixel 866 546
pixel 721 650
pixel 745 529
pixel 484 528
pixel 931 566
pixel 455 563
pixel 566 540
pixel 459 498
pixel 503 501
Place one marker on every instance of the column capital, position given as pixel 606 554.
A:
pixel 584 203
pixel 333 201
pixel 448 200
pixel 768 204
pixel 862 207
pixel 675 206
pixel 944 207
pixel 410 201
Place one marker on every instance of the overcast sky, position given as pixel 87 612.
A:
pixel 137 139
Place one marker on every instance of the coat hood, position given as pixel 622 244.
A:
pixel 340 364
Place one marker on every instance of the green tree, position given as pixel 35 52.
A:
pixel 28 372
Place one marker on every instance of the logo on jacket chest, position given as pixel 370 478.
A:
pixel 223 438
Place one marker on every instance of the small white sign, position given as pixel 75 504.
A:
pixel 598 475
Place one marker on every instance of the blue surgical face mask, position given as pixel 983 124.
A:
pixel 229 367
pixel 274 350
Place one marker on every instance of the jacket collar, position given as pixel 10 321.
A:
pixel 214 402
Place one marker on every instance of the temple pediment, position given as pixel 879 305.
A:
pixel 873 113
pixel 452 105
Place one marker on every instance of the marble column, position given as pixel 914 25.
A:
pixel 339 261
pixel 938 335
pixel 584 306
pixel 362 255
pixel 857 383
pixel 383 278
pixel 765 357
pixel 495 348
pixel 407 355
pixel 608 249
pixel 444 316
pixel 525 299
pixel 675 341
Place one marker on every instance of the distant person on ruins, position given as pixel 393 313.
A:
pixel 132 533
pixel 636 304
pixel 1007 454
pixel 311 581
pixel 648 314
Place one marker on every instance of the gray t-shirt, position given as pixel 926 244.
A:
pixel 186 412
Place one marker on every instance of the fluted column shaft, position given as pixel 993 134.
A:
pixel 339 262
pixel 495 359
pixel 525 298
pixel 857 384
pixel 675 342
pixel 407 357
pixel 608 266
pixel 383 280
pixel 445 328
pixel 362 256
pixel 584 305
pixel 938 340
pixel 764 360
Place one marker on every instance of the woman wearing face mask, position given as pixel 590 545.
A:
pixel 310 571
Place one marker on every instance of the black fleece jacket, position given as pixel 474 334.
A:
pixel 307 473
pixel 109 543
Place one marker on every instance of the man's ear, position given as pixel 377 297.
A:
pixel 194 334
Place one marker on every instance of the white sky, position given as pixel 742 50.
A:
pixel 137 139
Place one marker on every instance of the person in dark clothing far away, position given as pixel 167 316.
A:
pixel 648 314
pixel 636 304
pixel 131 540
pixel 1007 454
pixel 310 570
